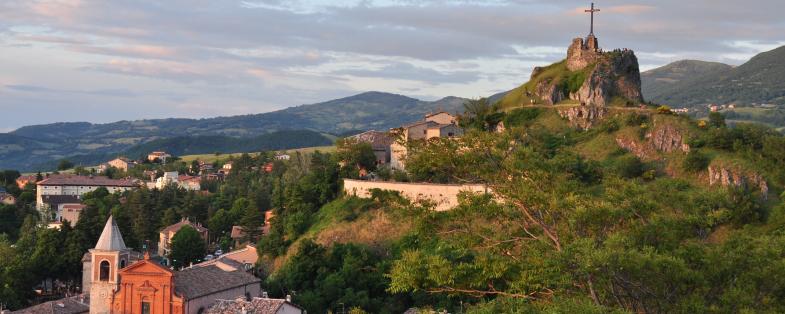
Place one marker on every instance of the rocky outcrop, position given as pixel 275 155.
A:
pixel 605 75
pixel 616 74
pixel 727 176
pixel 665 139
pixel 668 139
pixel 584 117
pixel 549 93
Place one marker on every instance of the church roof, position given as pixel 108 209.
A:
pixel 111 239
pixel 198 281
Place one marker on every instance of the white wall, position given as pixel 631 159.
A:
pixel 444 195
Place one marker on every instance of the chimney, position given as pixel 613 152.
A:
pixel 288 298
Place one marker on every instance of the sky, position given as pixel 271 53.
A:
pixel 102 61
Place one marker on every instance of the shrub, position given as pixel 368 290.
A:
pixel 522 116
pixel 695 161
pixel 664 110
pixel 636 119
pixel 629 166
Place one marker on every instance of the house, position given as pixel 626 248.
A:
pixel 168 178
pixel 191 183
pixel 158 157
pixel 22 181
pixel 121 163
pixel 226 169
pixel 437 125
pixel 166 234
pixel 70 212
pixel 118 280
pixel 255 306
pixel 380 143
pixel 282 156
pixel 76 186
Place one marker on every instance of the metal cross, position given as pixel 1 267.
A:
pixel 592 10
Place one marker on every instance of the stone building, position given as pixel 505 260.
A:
pixel 380 143
pixel 440 124
pixel 166 234
pixel 121 163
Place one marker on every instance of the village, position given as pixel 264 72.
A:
pixel 114 275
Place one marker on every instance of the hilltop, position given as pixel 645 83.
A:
pixel 587 76
pixel 36 147
pixel 761 80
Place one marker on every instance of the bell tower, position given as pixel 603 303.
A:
pixel 107 258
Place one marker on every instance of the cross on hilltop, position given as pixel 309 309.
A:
pixel 591 11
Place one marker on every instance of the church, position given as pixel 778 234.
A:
pixel 119 280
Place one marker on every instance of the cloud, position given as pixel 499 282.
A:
pixel 259 55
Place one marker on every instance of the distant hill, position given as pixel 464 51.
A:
pixel 40 144
pixel 688 83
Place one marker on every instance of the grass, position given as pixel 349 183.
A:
pixel 214 157
pixel 557 74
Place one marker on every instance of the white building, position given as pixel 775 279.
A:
pixel 76 186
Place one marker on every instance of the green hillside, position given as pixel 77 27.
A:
pixel 689 83
pixel 577 223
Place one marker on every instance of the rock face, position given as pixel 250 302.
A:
pixel 665 139
pixel 668 139
pixel 616 74
pixel 584 117
pixel 725 176
pixel 611 74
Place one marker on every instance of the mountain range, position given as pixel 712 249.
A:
pixel 688 83
pixel 36 147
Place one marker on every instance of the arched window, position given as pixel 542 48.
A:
pixel 122 263
pixel 104 273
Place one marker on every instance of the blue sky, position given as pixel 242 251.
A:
pixel 102 61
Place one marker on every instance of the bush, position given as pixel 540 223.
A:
pixel 664 110
pixel 695 161
pixel 522 116
pixel 636 119
pixel 629 166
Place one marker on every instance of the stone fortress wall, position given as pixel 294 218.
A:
pixel 444 195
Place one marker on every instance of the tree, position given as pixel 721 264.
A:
pixel 251 223
pixel 695 161
pixel 716 120
pixel 480 114
pixel 355 155
pixel 187 247
pixel 65 164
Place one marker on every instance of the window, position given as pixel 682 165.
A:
pixel 122 263
pixel 450 134
pixel 145 307
pixel 104 272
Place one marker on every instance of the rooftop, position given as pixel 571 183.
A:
pixel 70 305
pixel 185 222
pixel 255 306
pixel 195 282
pixel 85 180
